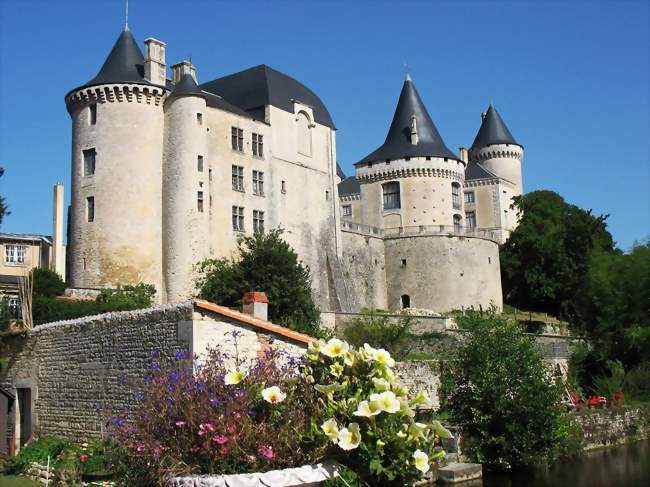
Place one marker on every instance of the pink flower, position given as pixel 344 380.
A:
pixel 231 428
pixel 220 439
pixel 180 424
pixel 140 448
pixel 252 458
pixel 224 450
pixel 267 451
pixel 195 448
pixel 237 415
pixel 83 458
pixel 201 432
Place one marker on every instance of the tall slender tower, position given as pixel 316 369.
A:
pixel 116 204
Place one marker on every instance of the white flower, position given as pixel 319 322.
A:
pixel 335 348
pixel 367 409
pixel 367 352
pixel 387 401
pixel 329 389
pixel 380 385
pixel 331 429
pixel 400 390
pixel 234 377
pixel 273 395
pixel 418 430
pixel 421 461
pixel 420 399
pixel 349 358
pixel 350 437
pixel 336 369
pixel 382 357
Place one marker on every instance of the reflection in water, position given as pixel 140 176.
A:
pixel 624 466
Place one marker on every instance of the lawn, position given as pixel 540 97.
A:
pixel 13 481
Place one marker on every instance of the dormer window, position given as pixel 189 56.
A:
pixel 414 130
pixel 304 134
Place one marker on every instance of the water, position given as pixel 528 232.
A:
pixel 624 466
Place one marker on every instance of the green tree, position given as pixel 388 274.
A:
pixel 502 395
pixel 266 263
pixel 47 283
pixel 545 261
pixel 375 328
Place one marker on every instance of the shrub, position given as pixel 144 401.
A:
pixel 502 395
pixel 47 283
pixel 37 451
pixel 377 329
pixel 128 297
pixel 637 382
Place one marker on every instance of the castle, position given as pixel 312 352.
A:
pixel 168 172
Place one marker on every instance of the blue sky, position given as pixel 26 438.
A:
pixel 569 78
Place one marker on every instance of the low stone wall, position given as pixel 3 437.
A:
pixel 610 427
pixel 420 375
pixel 39 473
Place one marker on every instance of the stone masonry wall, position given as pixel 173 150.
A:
pixel 82 369
pixel 611 427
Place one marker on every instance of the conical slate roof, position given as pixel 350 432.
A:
pixel 186 87
pixel 398 141
pixel 493 131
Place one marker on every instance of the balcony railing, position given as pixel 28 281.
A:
pixel 409 231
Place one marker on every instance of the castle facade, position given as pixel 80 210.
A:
pixel 168 172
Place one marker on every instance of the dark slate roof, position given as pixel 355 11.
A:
pixel 186 87
pixel 261 86
pixel 398 141
pixel 124 64
pixel 349 186
pixel 215 101
pixel 493 131
pixel 339 171
pixel 476 170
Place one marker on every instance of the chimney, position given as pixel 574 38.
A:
pixel 182 68
pixel 57 263
pixel 256 304
pixel 155 69
pixel 464 155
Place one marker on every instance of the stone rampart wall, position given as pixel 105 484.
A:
pixel 610 427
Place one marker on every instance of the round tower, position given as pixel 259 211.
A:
pixel 496 149
pixel 413 179
pixel 186 184
pixel 116 214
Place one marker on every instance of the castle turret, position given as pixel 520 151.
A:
pixel 413 179
pixel 186 184
pixel 117 131
pixel 497 150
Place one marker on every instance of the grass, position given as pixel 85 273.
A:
pixel 14 481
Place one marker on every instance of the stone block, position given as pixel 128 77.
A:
pixel 454 473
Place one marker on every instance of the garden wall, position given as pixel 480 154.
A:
pixel 610 427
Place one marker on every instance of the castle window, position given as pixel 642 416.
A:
pixel 469 197
pixel 199 201
pixel 92 114
pixel 327 195
pixel 304 134
pixel 258 183
pixel 347 210
pixel 90 156
pixel 455 195
pixel 406 301
pixel 391 195
pixel 199 163
pixel 199 118
pixel 238 178
pixel 237 139
pixel 15 254
pixel 258 145
pixel 238 218
pixel 470 219
pixel 457 223
pixel 283 187
pixel 209 174
pixel 403 262
pixel 258 221
pixel 90 208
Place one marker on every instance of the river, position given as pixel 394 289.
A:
pixel 623 466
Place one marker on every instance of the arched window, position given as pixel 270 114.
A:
pixel 406 301
pixel 457 223
pixel 455 195
pixel 304 133
pixel 391 195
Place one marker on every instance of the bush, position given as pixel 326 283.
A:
pixel 128 297
pixel 37 451
pixel 47 283
pixel 378 330
pixel 637 382
pixel 502 395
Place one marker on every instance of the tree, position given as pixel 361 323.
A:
pixel 545 261
pixel 47 283
pixel 502 395
pixel 266 263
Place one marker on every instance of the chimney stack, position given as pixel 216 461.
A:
pixel 181 69
pixel 155 69
pixel 58 250
pixel 256 304
pixel 464 155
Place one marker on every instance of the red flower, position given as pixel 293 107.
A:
pixel 83 458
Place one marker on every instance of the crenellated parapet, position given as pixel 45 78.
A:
pixel 500 151
pixel 115 93
pixel 427 167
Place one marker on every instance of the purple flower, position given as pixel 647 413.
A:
pixel 170 400
pixel 147 378
pixel 180 355
pixel 139 395
pixel 154 366
pixel 98 407
pixel 121 379
pixel 236 334
pixel 174 376
pixel 155 353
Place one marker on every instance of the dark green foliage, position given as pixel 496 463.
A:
pixel 381 331
pixel 267 264
pixel 545 261
pixel 502 395
pixel 124 298
pixel 47 283
pixel 37 451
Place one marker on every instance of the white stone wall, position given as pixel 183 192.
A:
pixel 504 160
pixel 443 273
pixel 123 243
pixel 186 230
